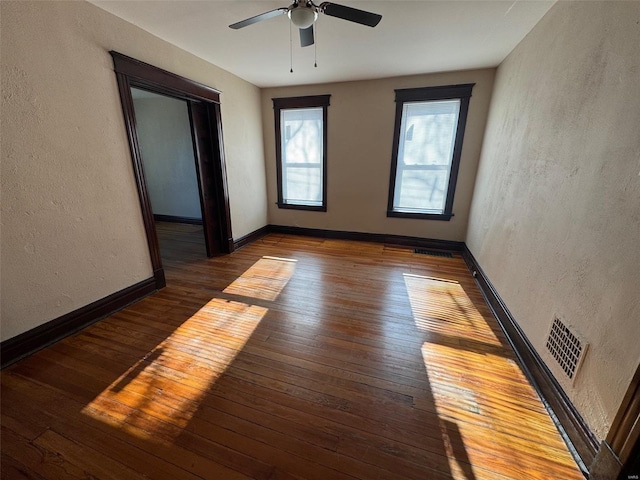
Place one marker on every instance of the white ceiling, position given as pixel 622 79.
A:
pixel 413 37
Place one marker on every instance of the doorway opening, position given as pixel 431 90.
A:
pixel 202 103
pixel 168 157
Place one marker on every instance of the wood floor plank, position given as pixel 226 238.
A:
pixel 293 358
pixel 12 469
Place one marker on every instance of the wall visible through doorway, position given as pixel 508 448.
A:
pixel 166 145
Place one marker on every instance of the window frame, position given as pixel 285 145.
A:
pixel 460 92
pixel 290 103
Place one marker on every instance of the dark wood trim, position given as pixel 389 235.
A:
pixel 325 146
pixel 133 73
pixel 401 240
pixel 302 102
pixel 394 156
pixel 625 429
pixel 309 101
pixel 582 442
pixel 425 94
pixel 220 175
pixel 206 156
pixel 278 134
pixel 440 92
pixel 124 87
pixel 310 208
pixel 457 147
pixel 176 219
pixel 250 237
pixel 429 243
pixel 631 468
pixel 48 333
pixel 158 275
pixel 161 81
pixel 427 216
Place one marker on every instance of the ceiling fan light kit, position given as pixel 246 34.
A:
pixel 303 15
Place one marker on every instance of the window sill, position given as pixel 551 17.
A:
pixel 424 216
pixel 311 208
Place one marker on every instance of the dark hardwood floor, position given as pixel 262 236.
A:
pixel 292 358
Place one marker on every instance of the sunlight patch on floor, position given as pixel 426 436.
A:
pixel 157 397
pixel 486 398
pixel 482 398
pixel 265 279
pixel 442 306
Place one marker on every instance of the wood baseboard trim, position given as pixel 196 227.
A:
pixel 251 237
pixel 429 243
pixel 582 443
pixel 177 219
pixel 48 333
pixel 159 278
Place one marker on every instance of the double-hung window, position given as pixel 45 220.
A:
pixel 427 144
pixel 301 151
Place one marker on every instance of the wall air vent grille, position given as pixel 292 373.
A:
pixel 566 347
pixel 433 253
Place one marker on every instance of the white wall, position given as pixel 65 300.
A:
pixel 72 230
pixel 555 219
pixel 164 134
pixel 360 137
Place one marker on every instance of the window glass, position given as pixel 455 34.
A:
pixel 427 143
pixel 301 156
pixel 302 153
pixel 425 153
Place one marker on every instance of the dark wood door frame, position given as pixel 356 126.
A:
pixel 206 127
pixel 624 435
pixel 619 454
pixel 210 169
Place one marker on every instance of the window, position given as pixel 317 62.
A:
pixel 426 150
pixel 301 152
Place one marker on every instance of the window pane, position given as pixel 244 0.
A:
pixel 428 132
pixel 425 153
pixel 301 135
pixel 422 191
pixel 303 186
pixel 301 131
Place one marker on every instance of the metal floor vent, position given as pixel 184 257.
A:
pixel 433 253
pixel 566 347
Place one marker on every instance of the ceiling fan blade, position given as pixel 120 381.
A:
pixel 350 14
pixel 259 18
pixel 306 36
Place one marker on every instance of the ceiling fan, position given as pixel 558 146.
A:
pixel 303 14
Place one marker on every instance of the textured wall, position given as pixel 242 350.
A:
pixel 555 221
pixel 164 134
pixel 72 230
pixel 360 136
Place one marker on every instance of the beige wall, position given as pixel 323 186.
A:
pixel 360 135
pixel 72 230
pixel 555 221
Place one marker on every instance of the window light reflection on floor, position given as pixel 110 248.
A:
pixel 487 412
pixel 265 279
pixel 442 306
pixel 157 397
pixel 479 392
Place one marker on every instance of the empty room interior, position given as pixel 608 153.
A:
pixel 367 240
